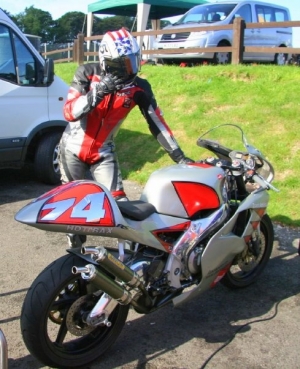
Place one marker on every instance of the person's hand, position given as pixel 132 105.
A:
pixel 108 85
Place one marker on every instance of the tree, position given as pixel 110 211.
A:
pixel 36 22
pixel 68 26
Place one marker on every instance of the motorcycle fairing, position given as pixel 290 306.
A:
pixel 148 232
pixel 160 233
pixel 81 204
pixel 84 204
pixel 46 213
pixel 196 197
pixel 224 245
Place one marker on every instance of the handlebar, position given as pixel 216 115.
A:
pixel 238 168
pixel 263 183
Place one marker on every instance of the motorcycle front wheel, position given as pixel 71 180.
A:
pixel 248 265
pixel 52 318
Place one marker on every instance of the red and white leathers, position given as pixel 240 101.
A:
pixel 88 140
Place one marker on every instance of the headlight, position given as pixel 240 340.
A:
pixel 195 34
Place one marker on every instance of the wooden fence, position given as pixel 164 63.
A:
pixel 79 55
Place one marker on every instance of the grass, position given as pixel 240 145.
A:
pixel 262 99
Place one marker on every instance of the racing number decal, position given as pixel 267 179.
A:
pixel 55 209
pixel 82 204
pixel 91 208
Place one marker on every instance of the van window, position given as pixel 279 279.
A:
pixel 21 68
pixel 270 14
pixel 245 13
pixel 206 14
pixel 7 65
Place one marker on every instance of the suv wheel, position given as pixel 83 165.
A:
pixel 46 165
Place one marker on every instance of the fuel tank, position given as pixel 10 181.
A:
pixel 185 190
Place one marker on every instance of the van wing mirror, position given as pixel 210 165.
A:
pixel 48 72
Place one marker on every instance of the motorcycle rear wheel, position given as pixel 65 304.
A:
pixel 46 324
pixel 247 267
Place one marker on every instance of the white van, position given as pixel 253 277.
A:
pixel 223 13
pixel 31 105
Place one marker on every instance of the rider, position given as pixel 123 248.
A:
pixel 99 99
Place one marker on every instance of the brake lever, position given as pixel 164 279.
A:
pixel 263 183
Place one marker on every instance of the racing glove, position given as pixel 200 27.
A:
pixel 186 160
pixel 178 156
pixel 106 86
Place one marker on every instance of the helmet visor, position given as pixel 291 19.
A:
pixel 124 67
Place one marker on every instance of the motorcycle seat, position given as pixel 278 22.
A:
pixel 136 209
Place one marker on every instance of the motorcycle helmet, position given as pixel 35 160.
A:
pixel 119 54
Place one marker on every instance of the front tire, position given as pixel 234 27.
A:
pixel 49 333
pixel 247 266
pixel 46 164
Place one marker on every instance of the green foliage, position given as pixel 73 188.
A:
pixel 35 22
pixel 262 99
pixel 68 26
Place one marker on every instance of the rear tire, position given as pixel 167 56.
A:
pixel 247 267
pixel 55 305
pixel 46 165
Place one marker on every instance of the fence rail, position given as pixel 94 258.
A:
pixel 79 52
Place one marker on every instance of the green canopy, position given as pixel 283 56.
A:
pixel 159 8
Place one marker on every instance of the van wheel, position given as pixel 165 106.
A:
pixel 281 59
pixel 221 57
pixel 46 165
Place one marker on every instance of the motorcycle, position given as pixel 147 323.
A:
pixel 194 225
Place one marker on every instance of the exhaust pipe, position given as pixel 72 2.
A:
pixel 114 266
pixel 104 283
pixel 109 286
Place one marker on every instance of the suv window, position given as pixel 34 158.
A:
pixel 20 67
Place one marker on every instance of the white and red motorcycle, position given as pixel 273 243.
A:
pixel 194 225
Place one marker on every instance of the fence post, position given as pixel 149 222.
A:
pixel 75 50
pixel 238 40
pixel 80 49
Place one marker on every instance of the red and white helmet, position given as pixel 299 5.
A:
pixel 119 54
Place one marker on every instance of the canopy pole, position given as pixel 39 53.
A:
pixel 89 27
pixel 143 11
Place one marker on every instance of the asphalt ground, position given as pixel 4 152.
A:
pixel 253 328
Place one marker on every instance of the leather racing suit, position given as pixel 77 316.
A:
pixel 88 140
